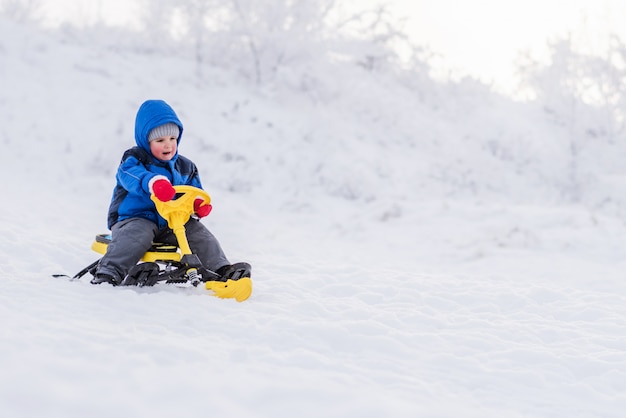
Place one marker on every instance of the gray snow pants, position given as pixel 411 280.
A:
pixel 131 238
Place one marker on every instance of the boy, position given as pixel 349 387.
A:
pixel 153 166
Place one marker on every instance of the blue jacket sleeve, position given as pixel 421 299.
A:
pixel 133 176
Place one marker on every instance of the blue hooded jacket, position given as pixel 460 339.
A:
pixel 131 196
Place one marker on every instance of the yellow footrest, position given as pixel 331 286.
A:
pixel 239 290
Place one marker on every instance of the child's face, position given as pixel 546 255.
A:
pixel 164 148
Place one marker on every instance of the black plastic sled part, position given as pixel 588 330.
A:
pixel 143 274
pixel 150 273
pixel 237 271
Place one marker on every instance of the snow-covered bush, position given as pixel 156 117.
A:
pixel 585 95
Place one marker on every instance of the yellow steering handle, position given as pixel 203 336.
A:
pixel 177 211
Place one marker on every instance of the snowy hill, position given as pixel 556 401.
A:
pixel 415 246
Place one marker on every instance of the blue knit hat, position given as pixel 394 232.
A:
pixel 168 129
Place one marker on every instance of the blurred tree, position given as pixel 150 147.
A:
pixel 21 10
pixel 586 94
pixel 259 38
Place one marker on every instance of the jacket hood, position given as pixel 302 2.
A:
pixel 151 114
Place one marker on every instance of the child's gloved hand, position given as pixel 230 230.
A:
pixel 200 209
pixel 163 190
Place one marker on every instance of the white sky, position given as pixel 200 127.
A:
pixel 481 38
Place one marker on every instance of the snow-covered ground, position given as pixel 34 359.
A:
pixel 412 253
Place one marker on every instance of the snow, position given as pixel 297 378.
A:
pixel 414 251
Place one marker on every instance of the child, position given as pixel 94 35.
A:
pixel 153 166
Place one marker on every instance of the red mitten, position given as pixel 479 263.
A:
pixel 163 190
pixel 200 209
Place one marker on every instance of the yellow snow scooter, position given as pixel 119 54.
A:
pixel 171 264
